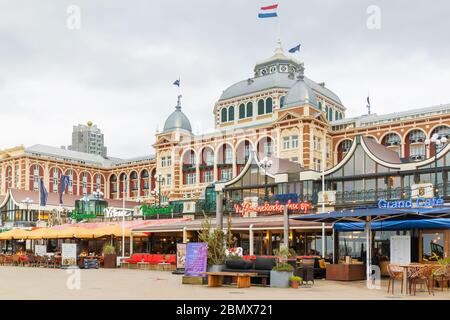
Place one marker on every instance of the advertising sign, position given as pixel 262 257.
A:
pixel 327 197
pixel 40 250
pixel 114 213
pixel 181 255
pixel 269 209
pixel 400 250
pixel 422 190
pixel 69 254
pixel 189 207
pixel 196 259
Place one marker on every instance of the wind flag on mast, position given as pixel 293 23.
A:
pixel 177 82
pixel 43 193
pixel 268 11
pixel 62 187
pixel 294 49
pixel 368 104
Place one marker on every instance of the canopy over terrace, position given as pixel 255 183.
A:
pixel 273 222
pixel 370 215
pixel 84 230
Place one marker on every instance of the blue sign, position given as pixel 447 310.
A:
pixel 409 203
pixel 284 198
pixel 196 259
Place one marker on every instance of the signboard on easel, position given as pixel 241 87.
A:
pixel 400 250
pixel 69 255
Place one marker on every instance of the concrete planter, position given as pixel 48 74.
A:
pixel 216 268
pixel 280 279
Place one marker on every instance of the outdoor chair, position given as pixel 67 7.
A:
pixel 422 275
pixel 8 260
pixel 51 262
pixel 16 260
pixel 395 273
pixel 442 278
pixel 2 260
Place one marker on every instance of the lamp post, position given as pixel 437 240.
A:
pixel 27 201
pixel 436 140
pixel 265 165
pixel 123 214
pixel 158 179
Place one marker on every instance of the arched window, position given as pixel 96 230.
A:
pixel 241 111
pixel 269 105
pixel 231 113
pixel 326 112
pixel 336 115
pixel 260 107
pixel 224 115
pixel 249 109
pixel 282 102
pixel 320 105
pixel 442 131
pixel 330 115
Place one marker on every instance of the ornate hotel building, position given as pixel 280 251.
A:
pixel 278 111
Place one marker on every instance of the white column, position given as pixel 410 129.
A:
pixel 251 241
pixel 185 238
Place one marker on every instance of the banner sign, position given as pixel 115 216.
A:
pixel 422 190
pixel 285 198
pixel 419 202
pixel 69 254
pixel 268 208
pixel 114 213
pixel 181 255
pixel 326 197
pixel 153 211
pixel 82 216
pixel 40 250
pixel 196 259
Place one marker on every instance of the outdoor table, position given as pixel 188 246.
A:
pixel 405 278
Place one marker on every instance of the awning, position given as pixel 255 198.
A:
pixel 438 223
pixel 376 214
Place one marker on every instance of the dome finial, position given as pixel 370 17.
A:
pixel 279 48
pixel 178 107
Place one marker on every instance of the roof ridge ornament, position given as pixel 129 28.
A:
pixel 301 72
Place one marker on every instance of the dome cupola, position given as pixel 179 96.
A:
pixel 300 93
pixel 177 120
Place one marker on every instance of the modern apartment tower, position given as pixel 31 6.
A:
pixel 89 139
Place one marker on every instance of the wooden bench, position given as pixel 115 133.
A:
pixel 242 279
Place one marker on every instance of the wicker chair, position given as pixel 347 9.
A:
pixel 442 277
pixel 420 274
pixel 2 260
pixel 16 260
pixel 395 273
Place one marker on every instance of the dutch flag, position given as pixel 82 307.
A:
pixel 268 11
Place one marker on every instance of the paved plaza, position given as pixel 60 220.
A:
pixel 41 283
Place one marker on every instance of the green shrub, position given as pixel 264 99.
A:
pixel 108 249
pixel 295 279
pixel 283 266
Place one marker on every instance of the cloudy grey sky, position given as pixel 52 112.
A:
pixel 117 69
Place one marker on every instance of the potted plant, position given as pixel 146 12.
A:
pixel 216 249
pixel 295 281
pixel 283 271
pixel 109 256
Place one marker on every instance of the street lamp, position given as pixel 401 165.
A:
pixel 436 140
pixel 265 165
pixel 159 179
pixel 27 201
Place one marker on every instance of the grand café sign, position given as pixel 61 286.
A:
pixel 268 209
pixel 410 203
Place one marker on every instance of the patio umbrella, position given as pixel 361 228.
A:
pixel 71 232
pixel 116 230
pixel 43 233
pixel 16 234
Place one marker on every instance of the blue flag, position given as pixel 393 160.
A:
pixel 43 193
pixel 294 49
pixel 177 82
pixel 62 187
